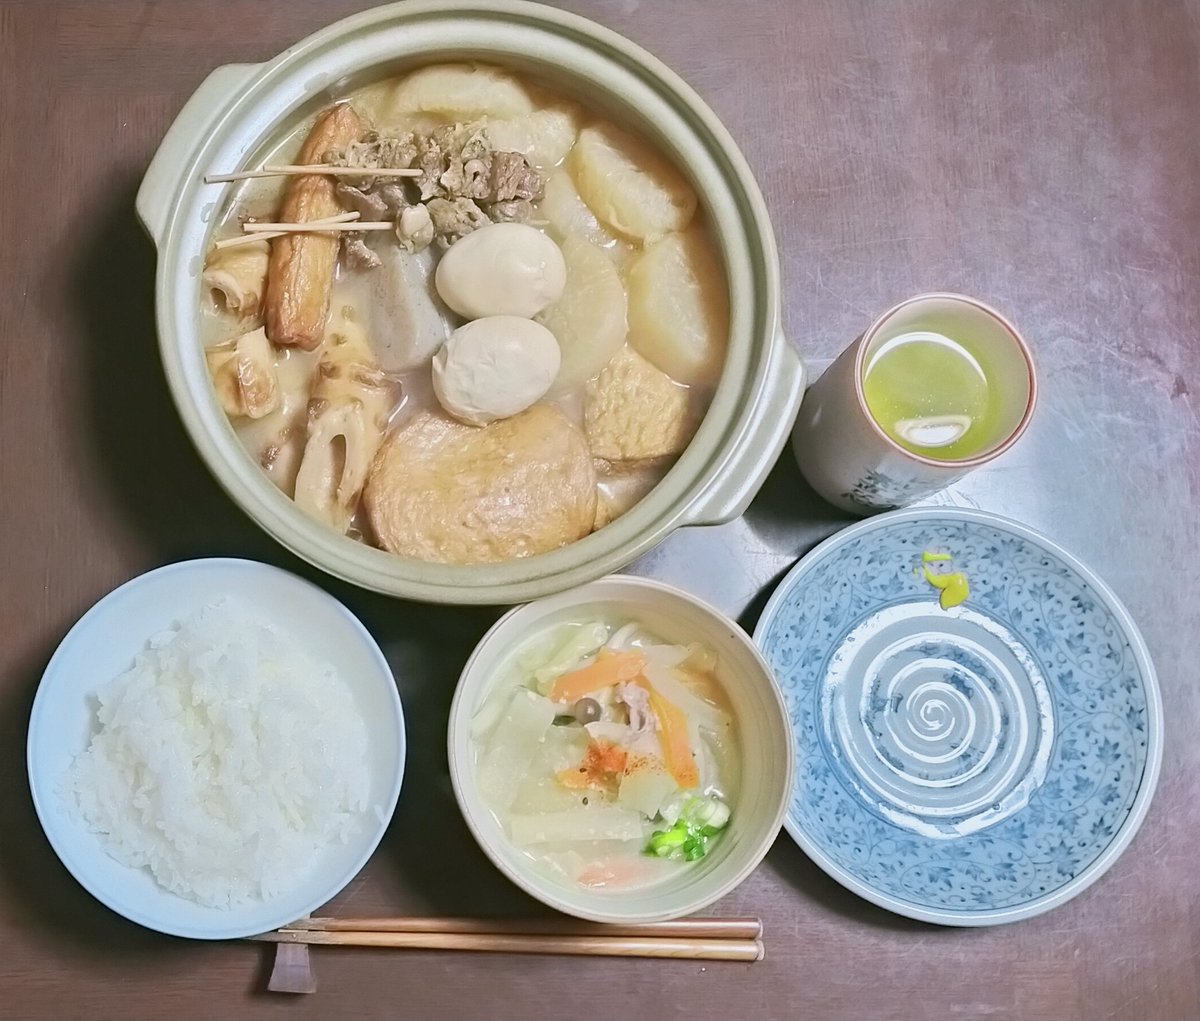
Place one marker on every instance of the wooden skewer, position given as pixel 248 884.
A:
pixel 246 239
pixel 285 170
pixel 575 946
pixel 324 226
pixel 682 928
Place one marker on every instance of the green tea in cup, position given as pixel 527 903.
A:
pixel 931 394
pixel 945 379
pixel 936 386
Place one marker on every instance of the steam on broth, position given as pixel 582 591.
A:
pixel 608 757
pixel 509 354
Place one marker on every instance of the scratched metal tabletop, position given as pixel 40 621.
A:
pixel 1040 155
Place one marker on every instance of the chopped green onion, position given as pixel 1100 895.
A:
pixel 699 821
pixel 668 843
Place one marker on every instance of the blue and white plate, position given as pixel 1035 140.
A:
pixel 968 766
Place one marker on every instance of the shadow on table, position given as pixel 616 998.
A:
pixel 811 882
pixel 789 517
pixel 437 859
pixel 787 509
pixel 131 441
pixel 43 898
pixel 129 438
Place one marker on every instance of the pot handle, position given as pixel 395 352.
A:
pixel 156 195
pixel 770 427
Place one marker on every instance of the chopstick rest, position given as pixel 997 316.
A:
pixel 292 971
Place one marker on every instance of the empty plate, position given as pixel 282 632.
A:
pixel 971 765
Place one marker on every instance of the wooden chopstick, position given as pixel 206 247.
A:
pixel 285 170
pixel 680 928
pixel 512 943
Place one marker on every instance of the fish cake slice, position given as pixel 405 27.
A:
pixel 462 494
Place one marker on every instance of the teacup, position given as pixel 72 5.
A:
pixel 853 450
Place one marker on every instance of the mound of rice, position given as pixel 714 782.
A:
pixel 225 761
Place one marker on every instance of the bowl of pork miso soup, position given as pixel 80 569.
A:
pixel 489 306
pixel 620 751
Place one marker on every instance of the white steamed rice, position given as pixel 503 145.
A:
pixel 226 760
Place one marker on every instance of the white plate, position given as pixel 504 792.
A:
pixel 103 644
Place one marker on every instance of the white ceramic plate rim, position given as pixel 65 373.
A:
pixel 44 697
pixel 1154 730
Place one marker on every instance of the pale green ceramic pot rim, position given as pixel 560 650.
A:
pixel 235 112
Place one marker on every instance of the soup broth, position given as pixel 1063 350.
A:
pixel 510 352
pixel 609 758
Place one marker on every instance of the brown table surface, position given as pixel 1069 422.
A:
pixel 1041 154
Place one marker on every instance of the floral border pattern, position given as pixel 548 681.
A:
pixel 1100 749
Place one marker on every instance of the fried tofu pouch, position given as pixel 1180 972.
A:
pixel 301 270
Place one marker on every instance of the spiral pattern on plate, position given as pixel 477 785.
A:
pixel 944 729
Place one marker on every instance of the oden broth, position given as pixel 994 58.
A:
pixel 380 298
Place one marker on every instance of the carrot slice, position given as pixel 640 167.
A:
pixel 605 672
pixel 601 766
pixel 673 733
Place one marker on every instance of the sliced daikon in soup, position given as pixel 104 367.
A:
pixel 458 92
pixel 567 215
pixel 512 747
pixel 603 822
pixel 629 185
pixel 635 773
pixel 589 320
pixel 544 137
pixel 678 307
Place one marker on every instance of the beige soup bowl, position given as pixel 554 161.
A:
pixel 764 739
pixel 236 114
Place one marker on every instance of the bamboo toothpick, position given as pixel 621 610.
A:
pixel 286 170
pixel 251 237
